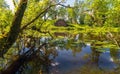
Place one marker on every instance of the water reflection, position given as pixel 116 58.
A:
pixel 69 53
pixel 75 54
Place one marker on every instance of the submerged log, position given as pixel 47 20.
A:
pixel 14 67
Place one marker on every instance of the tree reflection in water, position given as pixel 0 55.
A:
pixel 68 52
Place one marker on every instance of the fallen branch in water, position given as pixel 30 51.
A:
pixel 12 68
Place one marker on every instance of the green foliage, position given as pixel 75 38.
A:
pixel 3 4
pixel 5 18
pixel 113 14
pixel 103 13
pixel 97 16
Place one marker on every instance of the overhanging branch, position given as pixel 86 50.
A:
pixel 34 19
pixel 41 14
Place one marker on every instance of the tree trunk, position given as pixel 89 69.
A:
pixel 25 57
pixel 15 28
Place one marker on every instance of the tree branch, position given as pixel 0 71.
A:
pixel 14 3
pixel 12 68
pixel 110 35
pixel 65 5
pixel 34 19
pixel 15 28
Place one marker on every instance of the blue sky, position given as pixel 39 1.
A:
pixel 9 2
pixel 71 2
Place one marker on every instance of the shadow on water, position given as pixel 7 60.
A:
pixel 69 53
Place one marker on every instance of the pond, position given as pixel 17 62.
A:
pixel 74 54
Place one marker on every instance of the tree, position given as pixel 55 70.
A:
pixel 3 4
pixel 97 11
pixel 5 18
pixel 15 28
pixel 71 14
pixel 113 14
pixel 80 8
pixel 18 24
